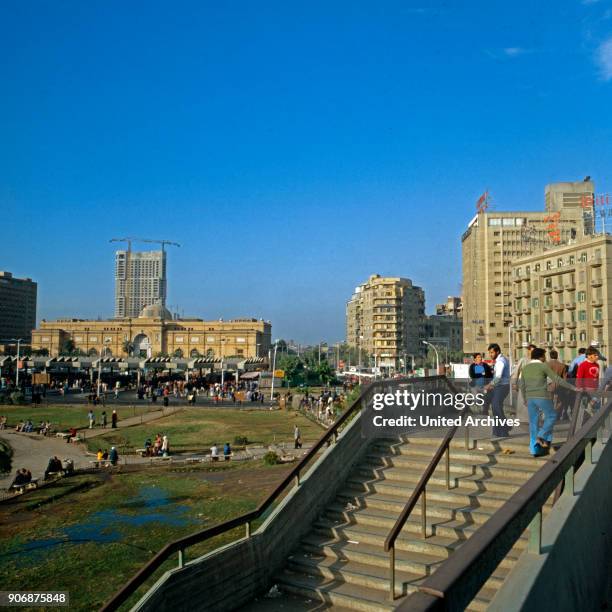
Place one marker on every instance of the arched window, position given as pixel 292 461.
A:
pixel 194 353
pixel 92 352
pixel 178 352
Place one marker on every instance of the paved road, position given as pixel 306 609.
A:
pixel 130 398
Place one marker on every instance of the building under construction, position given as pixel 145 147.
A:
pixel 140 278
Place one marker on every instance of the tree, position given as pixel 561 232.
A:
pixel 325 372
pixel 293 367
pixel 67 347
pixel 127 347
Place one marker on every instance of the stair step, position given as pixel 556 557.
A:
pixel 411 478
pixel 453 527
pixel 334 592
pixel 353 572
pixel 418 464
pixel 409 561
pixel 435 545
pixel 462 494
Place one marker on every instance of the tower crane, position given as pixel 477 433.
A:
pixel 131 238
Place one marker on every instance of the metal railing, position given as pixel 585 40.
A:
pixel 457 581
pixel 179 546
pixel 420 492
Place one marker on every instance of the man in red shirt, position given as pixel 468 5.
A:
pixel 587 376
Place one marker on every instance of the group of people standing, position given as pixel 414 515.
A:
pixel 543 387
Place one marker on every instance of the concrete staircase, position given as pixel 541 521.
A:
pixel 341 562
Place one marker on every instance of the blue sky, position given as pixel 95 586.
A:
pixel 293 149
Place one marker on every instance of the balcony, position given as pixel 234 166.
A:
pixel 547 325
pixel 558 288
pixel 559 343
pixel 559 325
pixel 596 261
pixel 547 307
pixel 598 323
pixel 547 343
pixel 597 300
pixel 571 286
pixel 571 325
pixel 559 306
pixel 596 282
pixel 547 290
pixel 570 306
pixel 571 343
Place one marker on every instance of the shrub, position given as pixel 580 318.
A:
pixel 241 440
pixel 17 398
pixel 271 458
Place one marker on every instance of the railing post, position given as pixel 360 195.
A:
pixel 588 452
pixel 535 534
pixel 181 557
pixel 297 479
pixel 569 481
pixel 392 573
pixel 248 529
pixel 467 438
pixel 424 514
pixel 448 466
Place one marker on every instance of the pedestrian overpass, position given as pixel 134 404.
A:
pixel 412 524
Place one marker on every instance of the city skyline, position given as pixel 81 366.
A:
pixel 357 142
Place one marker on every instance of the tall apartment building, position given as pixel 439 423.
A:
pixel 140 280
pixel 17 307
pixel 494 240
pixel 385 316
pixel 563 298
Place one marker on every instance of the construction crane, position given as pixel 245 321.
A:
pixel 130 239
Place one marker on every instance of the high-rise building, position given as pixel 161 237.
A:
pixel 140 280
pixel 494 240
pixel 17 307
pixel 562 298
pixel 385 317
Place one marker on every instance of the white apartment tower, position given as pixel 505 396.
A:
pixel 140 281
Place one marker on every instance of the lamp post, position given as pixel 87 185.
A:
pixel 437 356
pixel 18 341
pixel 100 365
pixel 273 370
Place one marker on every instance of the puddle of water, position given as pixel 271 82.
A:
pixel 107 526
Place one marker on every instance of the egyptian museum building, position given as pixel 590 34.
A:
pixel 153 333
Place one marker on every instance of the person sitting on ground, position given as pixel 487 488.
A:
pixel 214 452
pixel 19 426
pixel 227 451
pixel 54 466
pixel 22 477
pixel 113 456
pixel 148 446
pixel 68 466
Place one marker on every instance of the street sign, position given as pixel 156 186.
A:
pixel 279 373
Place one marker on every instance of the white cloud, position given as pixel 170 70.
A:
pixel 604 59
pixel 515 51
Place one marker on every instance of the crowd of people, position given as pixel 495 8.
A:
pixel 104 455
pixel 159 448
pixel 546 388
pixel 324 407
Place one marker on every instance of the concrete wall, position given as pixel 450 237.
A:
pixel 571 572
pixel 229 577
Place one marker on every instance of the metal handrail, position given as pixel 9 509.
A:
pixel 179 546
pixel 457 581
pixel 420 491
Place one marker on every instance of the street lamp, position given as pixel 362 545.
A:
pixel 437 356
pixel 18 341
pixel 106 343
pixel 273 370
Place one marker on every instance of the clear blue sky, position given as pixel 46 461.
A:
pixel 291 148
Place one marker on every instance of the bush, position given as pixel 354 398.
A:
pixel 271 458
pixel 17 398
pixel 241 440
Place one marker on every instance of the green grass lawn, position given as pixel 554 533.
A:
pixel 63 417
pixel 89 533
pixel 197 429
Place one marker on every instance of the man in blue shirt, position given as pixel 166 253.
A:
pixel 573 368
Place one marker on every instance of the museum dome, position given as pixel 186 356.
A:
pixel 155 311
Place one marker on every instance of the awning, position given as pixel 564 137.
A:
pixel 250 375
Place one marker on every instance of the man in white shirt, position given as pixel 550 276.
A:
pixel 500 387
pixel 214 452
